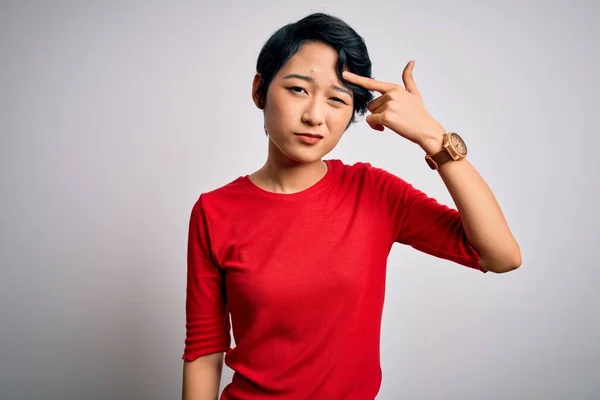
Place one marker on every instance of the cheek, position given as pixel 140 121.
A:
pixel 342 118
pixel 280 107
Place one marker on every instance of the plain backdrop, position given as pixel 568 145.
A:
pixel 115 116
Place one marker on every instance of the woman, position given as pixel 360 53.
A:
pixel 296 252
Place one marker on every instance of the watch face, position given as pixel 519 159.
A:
pixel 458 144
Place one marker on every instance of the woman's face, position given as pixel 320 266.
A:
pixel 306 97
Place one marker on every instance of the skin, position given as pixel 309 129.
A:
pixel 295 105
pixel 402 110
pixel 313 107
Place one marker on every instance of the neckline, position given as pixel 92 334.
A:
pixel 309 191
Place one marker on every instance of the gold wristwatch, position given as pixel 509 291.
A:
pixel 453 149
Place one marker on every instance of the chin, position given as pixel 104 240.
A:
pixel 302 154
pixel 304 157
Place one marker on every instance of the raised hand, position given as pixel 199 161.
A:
pixel 400 109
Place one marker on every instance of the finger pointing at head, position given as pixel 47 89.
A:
pixel 369 83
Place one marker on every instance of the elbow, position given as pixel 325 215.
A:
pixel 513 263
pixel 500 265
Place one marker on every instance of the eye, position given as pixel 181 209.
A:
pixel 296 89
pixel 338 100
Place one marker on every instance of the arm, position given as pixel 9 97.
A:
pixel 482 218
pixel 402 110
pixel 207 316
pixel 202 377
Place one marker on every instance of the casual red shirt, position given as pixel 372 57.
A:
pixel 303 277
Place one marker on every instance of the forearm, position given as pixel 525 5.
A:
pixel 202 377
pixel 481 215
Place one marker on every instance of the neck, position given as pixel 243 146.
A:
pixel 280 174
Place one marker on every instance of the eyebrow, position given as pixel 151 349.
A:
pixel 309 79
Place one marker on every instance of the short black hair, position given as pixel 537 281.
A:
pixel 318 27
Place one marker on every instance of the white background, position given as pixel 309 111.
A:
pixel 115 116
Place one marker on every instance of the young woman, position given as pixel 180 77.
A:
pixel 296 251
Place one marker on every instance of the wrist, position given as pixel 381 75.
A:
pixel 433 142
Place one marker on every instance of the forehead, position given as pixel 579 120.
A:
pixel 317 60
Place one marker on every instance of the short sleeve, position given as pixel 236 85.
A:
pixel 207 315
pixel 420 221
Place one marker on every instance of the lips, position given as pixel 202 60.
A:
pixel 309 138
pixel 313 135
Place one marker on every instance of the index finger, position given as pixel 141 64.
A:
pixel 368 83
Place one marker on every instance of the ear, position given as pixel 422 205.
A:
pixel 257 84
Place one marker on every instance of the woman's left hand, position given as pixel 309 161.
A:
pixel 400 109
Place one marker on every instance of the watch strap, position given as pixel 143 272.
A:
pixel 440 158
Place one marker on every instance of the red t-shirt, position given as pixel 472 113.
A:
pixel 303 277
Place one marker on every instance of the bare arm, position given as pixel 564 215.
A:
pixel 402 110
pixel 481 215
pixel 202 377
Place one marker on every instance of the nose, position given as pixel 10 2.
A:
pixel 314 114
